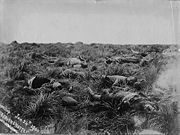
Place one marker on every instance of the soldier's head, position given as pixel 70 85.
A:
pixel 131 80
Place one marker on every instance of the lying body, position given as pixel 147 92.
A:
pixel 117 79
pixel 134 100
pixel 75 61
pixel 68 73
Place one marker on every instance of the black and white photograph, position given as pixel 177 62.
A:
pixel 90 67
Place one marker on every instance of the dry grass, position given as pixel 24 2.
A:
pixel 44 108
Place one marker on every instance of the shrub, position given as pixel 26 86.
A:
pixel 42 109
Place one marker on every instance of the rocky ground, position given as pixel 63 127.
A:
pixel 88 89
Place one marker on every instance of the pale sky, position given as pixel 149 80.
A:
pixel 107 21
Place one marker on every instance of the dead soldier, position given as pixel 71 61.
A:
pixel 117 80
pixel 68 73
pixel 75 61
pixel 124 100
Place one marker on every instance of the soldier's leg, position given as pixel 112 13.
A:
pixel 93 95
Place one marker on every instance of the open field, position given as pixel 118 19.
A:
pixel 84 99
